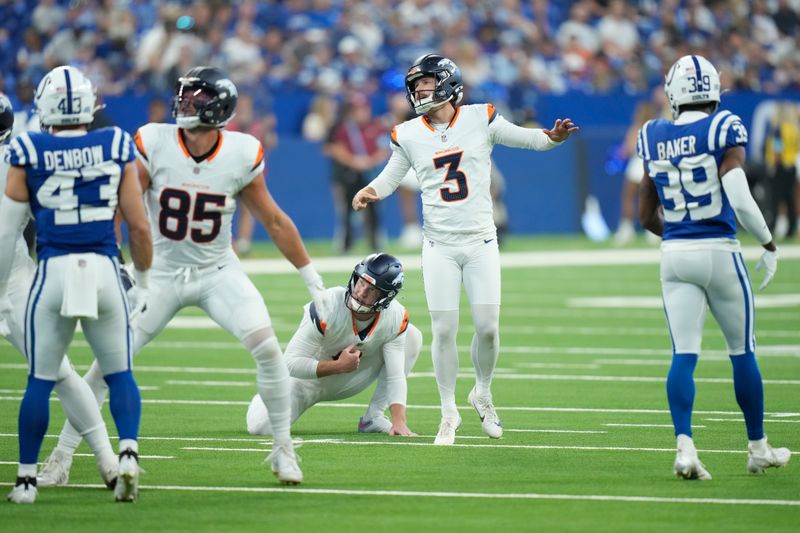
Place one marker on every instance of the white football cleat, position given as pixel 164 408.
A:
pixel 108 472
pixel 447 431
pixel 760 458
pixel 490 422
pixel 285 464
pixel 55 470
pixel 127 487
pixel 379 424
pixel 24 491
pixel 687 465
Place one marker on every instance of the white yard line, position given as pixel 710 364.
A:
pixel 647 425
pixel 459 495
pixel 508 430
pixel 742 420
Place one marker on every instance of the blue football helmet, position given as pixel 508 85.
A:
pixel 382 271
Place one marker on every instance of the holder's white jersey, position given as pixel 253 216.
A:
pixel 191 204
pixel 453 166
pixel 21 256
pixel 317 340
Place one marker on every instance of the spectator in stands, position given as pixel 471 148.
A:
pixel 355 150
pixel 781 153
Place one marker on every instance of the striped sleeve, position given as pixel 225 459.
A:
pixel 137 139
pixel 491 112
pixel 404 323
pixel 394 137
pixel 642 148
pixel 714 130
pixel 732 132
pixel 122 148
pixel 318 322
pixel 23 152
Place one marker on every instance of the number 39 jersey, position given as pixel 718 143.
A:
pixel 191 204
pixel 453 166
pixel 683 158
pixel 73 179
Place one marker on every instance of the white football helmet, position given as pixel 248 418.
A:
pixel 691 80
pixel 65 97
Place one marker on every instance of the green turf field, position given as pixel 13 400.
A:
pixel 580 389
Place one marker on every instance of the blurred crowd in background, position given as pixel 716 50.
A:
pixel 508 50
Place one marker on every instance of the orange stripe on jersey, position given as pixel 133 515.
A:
pixel 427 123
pixel 183 146
pixel 491 111
pixel 259 157
pixel 404 325
pixel 394 136
pixel 371 329
pixel 219 146
pixel 453 121
pixel 137 139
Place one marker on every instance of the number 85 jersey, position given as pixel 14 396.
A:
pixel 191 203
pixel 683 159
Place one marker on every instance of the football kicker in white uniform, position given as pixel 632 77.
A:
pixel 75 395
pixel 449 147
pixel 192 174
pixel 366 337
pixel 73 181
pixel 693 168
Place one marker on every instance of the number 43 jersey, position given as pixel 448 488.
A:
pixel 191 204
pixel 683 159
pixel 73 178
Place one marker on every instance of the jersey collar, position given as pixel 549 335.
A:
pixel 427 122
pixel 360 334
pixel 687 117
pixel 205 157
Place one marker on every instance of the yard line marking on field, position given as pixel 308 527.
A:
pixel 742 420
pixel 654 302
pixel 346 405
pixel 140 457
pixel 615 379
pixel 413 262
pixel 458 495
pixel 508 430
pixel 406 442
pixel 647 426
pixel 211 383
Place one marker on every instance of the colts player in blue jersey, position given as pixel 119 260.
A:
pixel 73 181
pixel 693 169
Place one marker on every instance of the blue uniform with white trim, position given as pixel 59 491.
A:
pixel 73 183
pixel 683 161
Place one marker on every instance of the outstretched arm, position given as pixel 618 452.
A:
pixel 14 212
pixel 504 132
pixel 386 182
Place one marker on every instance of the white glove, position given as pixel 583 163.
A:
pixel 136 283
pixel 768 263
pixel 6 316
pixel 137 298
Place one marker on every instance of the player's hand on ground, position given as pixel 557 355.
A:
pixel 6 316
pixel 349 359
pixel 402 430
pixel 364 197
pixel 561 130
pixel 769 264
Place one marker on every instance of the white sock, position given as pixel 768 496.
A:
pixel 272 381
pixel 128 444
pixel 444 325
pixel 685 444
pixel 485 346
pixel 26 470
pixel 378 403
pixel 759 445
pixel 258 417
pixel 96 433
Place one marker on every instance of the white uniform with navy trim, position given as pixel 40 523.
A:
pixel 383 354
pixel 191 205
pixel 702 265
pixel 73 179
pixel 453 165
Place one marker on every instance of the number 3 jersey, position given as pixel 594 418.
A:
pixel 190 203
pixel 683 159
pixel 453 166
pixel 73 179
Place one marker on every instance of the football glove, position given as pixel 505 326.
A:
pixel 769 264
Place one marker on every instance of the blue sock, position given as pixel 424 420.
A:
pixel 34 415
pixel 749 393
pixel 680 392
pixel 125 403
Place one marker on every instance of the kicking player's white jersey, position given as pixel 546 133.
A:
pixel 191 204
pixel 317 340
pixel 21 256
pixel 453 166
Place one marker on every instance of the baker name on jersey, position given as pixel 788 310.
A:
pixel 73 158
pixel 676 147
